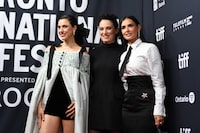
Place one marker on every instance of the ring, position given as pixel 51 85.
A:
pixel 160 122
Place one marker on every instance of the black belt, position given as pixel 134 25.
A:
pixel 140 94
pixel 137 82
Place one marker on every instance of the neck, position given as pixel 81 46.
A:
pixel 110 42
pixel 69 43
pixel 132 41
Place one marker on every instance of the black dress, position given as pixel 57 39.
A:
pixel 106 89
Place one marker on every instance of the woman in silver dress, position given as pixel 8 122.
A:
pixel 60 98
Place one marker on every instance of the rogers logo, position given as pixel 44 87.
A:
pixel 186 99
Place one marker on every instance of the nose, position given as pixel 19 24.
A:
pixel 60 29
pixel 126 28
pixel 104 31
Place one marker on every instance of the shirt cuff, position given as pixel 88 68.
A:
pixel 159 110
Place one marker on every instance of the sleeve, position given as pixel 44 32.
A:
pixel 82 99
pixel 31 122
pixel 155 63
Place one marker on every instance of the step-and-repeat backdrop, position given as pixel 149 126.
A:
pixel 28 26
pixel 177 30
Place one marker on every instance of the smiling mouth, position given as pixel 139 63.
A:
pixel 62 35
pixel 106 37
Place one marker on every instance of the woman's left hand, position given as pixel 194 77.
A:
pixel 159 120
pixel 70 110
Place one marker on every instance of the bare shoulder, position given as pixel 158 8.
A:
pixel 48 48
pixel 85 50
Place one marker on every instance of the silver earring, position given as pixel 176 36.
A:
pixel 138 34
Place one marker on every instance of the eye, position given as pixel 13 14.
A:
pixel 101 28
pixel 123 27
pixel 65 26
pixel 109 28
pixel 130 25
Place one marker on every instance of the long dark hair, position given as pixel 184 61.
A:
pixel 81 33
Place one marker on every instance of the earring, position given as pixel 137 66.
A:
pixel 74 33
pixel 138 34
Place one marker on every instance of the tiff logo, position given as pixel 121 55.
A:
pixel 182 23
pixel 160 34
pixel 158 4
pixel 185 130
pixel 183 60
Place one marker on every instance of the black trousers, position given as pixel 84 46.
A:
pixel 137 111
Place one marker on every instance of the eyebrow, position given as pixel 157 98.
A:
pixel 129 25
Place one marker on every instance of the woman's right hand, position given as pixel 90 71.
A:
pixel 40 114
pixel 71 110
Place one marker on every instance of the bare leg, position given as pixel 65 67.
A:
pixel 68 126
pixel 50 125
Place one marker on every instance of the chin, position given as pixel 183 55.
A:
pixel 106 41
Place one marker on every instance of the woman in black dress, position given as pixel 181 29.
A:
pixel 106 90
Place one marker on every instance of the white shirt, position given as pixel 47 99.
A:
pixel 145 60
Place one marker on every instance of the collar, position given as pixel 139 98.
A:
pixel 135 44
